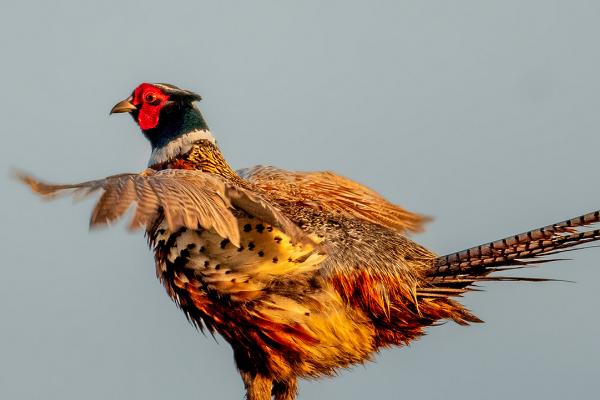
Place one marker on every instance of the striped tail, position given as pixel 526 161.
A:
pixel 454 272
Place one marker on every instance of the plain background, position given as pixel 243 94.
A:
pixel 483 114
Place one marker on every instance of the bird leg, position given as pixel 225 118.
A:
pixel 258 387
pixel 285 390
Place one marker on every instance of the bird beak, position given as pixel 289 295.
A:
pixel 124 106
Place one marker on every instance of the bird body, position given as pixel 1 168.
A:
pixel 296 320
pixel 303 273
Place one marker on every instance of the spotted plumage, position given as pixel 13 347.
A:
pixel 303 273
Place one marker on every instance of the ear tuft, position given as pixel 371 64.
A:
pixel 176 92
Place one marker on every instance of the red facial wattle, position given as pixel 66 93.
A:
pixel 149 100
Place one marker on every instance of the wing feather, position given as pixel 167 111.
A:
pixel 334 193
pixel 191 199
pixel 146 208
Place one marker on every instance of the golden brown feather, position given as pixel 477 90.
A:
pixel 330 192
pixel 302 273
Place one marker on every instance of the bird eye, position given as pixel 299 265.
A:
pixel 151 98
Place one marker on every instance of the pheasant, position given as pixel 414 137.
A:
pixel 303 273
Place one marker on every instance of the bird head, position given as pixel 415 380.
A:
pixel 164 113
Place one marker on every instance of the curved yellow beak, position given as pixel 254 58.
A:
pixel 123 106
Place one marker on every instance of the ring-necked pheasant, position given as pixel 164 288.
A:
pixel 303 273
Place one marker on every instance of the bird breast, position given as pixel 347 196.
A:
pixel 264 297
pixel 266 255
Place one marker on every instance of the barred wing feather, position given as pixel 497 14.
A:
pixel 191 199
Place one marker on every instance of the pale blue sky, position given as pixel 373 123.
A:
pixel 483 114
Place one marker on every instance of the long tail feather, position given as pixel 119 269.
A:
pixel 463 268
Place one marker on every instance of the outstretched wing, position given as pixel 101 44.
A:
pixel 334 193
pixel 190 199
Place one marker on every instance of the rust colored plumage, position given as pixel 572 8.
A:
pixel 296 270
pixel 303 273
